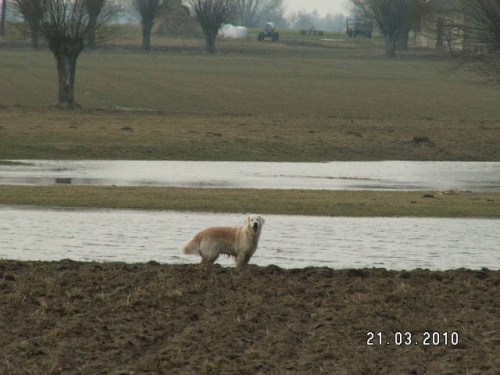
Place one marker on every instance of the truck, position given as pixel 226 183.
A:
pixel 359 26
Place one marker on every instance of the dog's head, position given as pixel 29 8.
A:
pixel 254 223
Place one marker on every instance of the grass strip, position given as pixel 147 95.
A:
pixel 264 201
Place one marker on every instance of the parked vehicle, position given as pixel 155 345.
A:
pixel 359 26
pixel 269 31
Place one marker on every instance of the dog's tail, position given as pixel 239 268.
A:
pixel 193 246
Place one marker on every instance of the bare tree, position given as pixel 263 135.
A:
pixel 31 10
pixel 94 8
pixel 418 10
pixel 148 11
pixel 65 25
pixel 395 18
pixel 211 15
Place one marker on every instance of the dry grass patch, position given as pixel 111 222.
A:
pixel 44 133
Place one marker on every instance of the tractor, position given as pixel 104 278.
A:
pixel 269 31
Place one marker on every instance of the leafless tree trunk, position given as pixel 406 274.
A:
pixel 94 8
pixel 211 15
pixel 2 17
pixel 147 10
pixel 66 70
pixel 403 40
pixel 439 33
pixel 65 28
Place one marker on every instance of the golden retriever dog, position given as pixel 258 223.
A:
pixel 239 242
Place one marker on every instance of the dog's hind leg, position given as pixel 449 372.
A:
pixel 208 260
pixel 243 259
pixel 209 254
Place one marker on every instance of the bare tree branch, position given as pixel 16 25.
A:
pixel 31 12
pixel 481 50
pixel 254 13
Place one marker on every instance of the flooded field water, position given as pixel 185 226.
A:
pixel 286 241
pixel 380 175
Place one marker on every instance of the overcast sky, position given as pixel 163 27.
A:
pixel 322 6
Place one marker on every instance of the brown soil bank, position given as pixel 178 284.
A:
pixel 107 318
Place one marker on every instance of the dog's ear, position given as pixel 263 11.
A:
pixel 247 221
pixel 262 221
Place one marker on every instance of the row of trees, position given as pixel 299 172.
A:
pixel 35 14
pixel 254 13
pixel 250 13
pixel 68 26
pixel 304 20
pixel 476 23
pixel 395 19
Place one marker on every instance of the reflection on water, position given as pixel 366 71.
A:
pixel 286 241
pixel 386 175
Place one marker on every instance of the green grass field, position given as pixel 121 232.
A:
pixel 302 99
pixel 266 201
pixel 296 77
